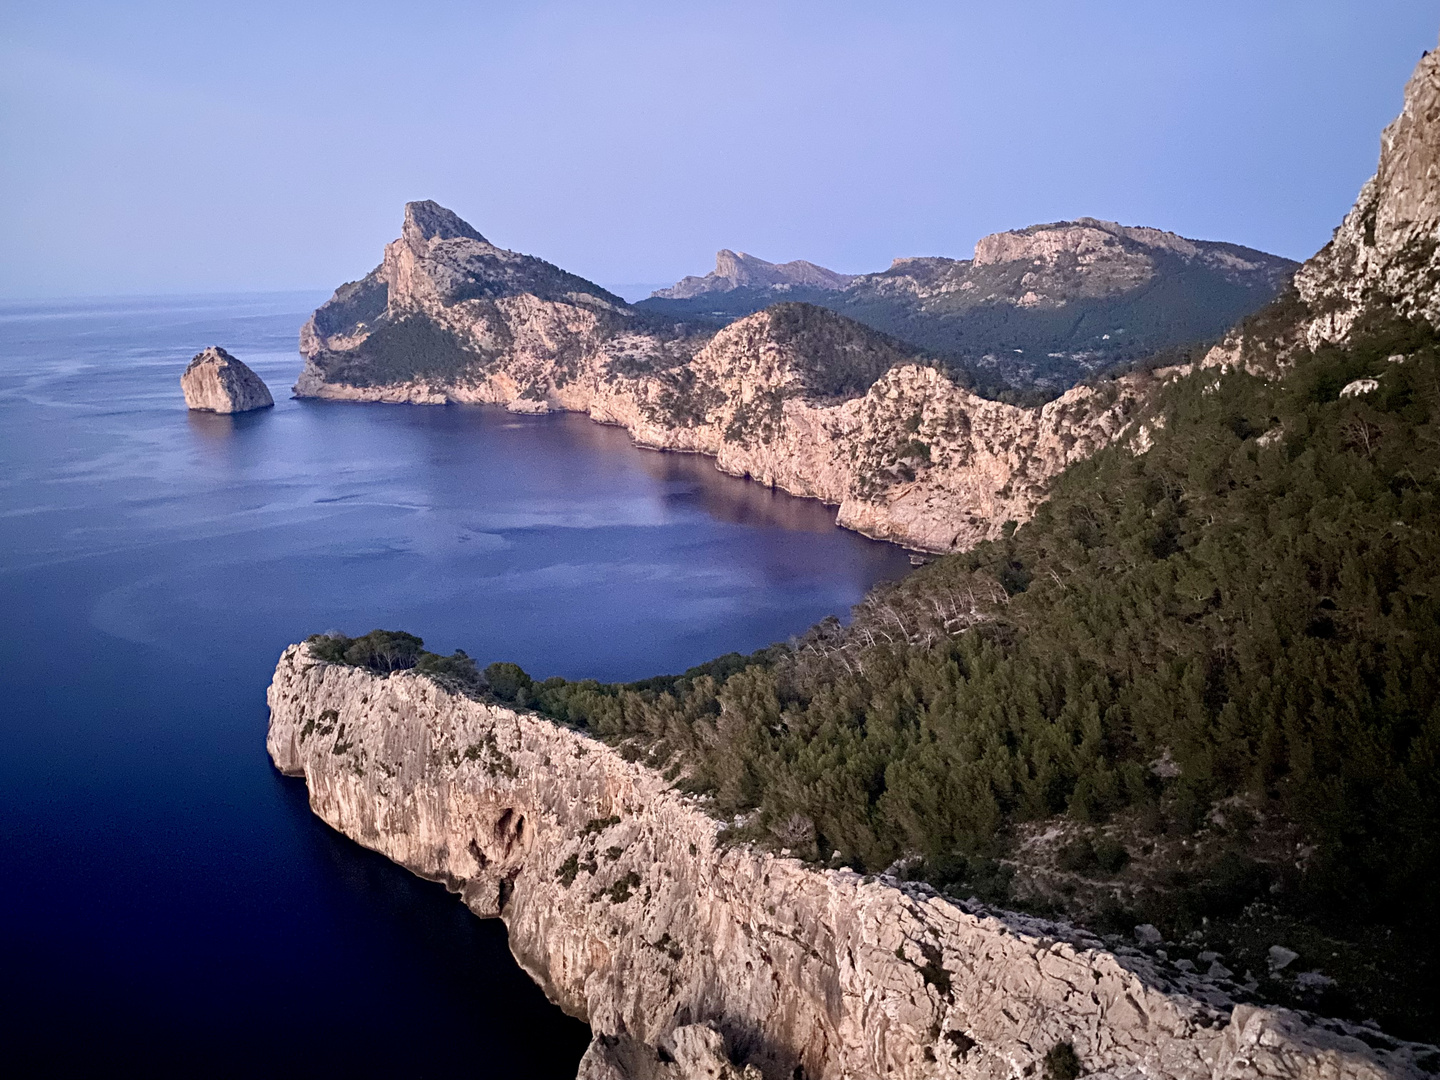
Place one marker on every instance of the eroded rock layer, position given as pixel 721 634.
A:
pixel 625 908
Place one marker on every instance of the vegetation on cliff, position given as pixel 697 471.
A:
pixel 1224 650
pixel 388 651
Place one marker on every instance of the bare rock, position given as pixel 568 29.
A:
pixel 691 1052
pixel 217 382
pixel 1384 255
pixel 1280 957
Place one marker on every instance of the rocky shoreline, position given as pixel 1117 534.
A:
pixel 684 954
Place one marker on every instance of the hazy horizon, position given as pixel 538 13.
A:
pixel 159 150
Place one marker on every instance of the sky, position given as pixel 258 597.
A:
pixel 151 147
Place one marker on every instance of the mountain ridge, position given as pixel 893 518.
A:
pixel 737 270
pixel 1049 303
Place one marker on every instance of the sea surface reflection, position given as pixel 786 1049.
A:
pixel 170 906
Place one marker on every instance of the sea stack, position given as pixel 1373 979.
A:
pixel 217 382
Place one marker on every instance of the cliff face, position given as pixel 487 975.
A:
pixel 737 270
pixel 795 396
pixel 1384 255
pixel 1382 262
pixel 622 905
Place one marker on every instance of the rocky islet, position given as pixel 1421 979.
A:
pixel 217 382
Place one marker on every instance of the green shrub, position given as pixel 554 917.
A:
pixel 387 651
pixel 1110 855
pixel 1061 1062
pixel 1077 856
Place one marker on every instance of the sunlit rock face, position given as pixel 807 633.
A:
pixel 1047 306
pixel 217 382
pixel 1384 255
pixel 795 396
pixel 691 958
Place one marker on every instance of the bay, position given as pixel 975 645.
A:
pixel 168 904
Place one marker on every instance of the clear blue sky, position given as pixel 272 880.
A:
pixel 162 147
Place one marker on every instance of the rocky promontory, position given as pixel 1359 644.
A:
pixel 217 382
pixel 795 396
pixel 685 954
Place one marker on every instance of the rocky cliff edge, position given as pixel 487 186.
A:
pixel 623 904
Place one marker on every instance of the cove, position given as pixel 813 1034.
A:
pixel 170 905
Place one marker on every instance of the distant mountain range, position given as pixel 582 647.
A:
pixel 737 270
pixel 1043 306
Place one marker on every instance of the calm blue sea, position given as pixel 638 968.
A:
pixel 168 904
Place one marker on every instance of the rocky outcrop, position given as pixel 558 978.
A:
pixel 1384 255
pixel 795 396
pixel 737 270
pixel 1382 262
pixel 683 953
pixel 217 382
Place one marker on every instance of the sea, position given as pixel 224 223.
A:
pixel 168 904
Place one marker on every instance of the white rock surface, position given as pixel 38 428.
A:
pixel 1358 387
pixel 215 381
pixel 623 906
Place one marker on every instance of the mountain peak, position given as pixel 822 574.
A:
pixel 738 270
pixel 428 220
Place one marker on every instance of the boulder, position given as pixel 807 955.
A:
pixel 217 382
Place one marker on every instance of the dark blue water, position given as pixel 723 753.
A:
pixel 168 905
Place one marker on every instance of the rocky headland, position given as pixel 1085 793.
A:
pixel 795 396
pixel 215 381
pixel 685 954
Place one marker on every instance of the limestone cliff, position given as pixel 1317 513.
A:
pixel 795 396
pixel 1383 261
pixel 1059 264
pixel 624 906
pixel 1384 255
pixel 214 381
